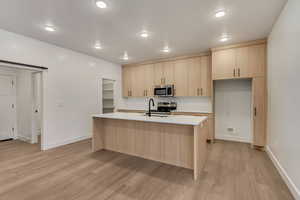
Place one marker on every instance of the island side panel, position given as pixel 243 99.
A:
pixel 177 145
pixel 98 134
pixel 200 147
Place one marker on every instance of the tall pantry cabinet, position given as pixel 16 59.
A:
pixel 247 60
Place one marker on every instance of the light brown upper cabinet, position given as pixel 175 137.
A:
pixel 127 80
pixel 239 62
pixel 257 60
pixel 147 81
pixel 259 101
pixel 242 68
pixel 199 76
pixel 223 64
pixel 205 76
pixel 181 68
pixel 164 73
pixel 190 76
pixel 138 81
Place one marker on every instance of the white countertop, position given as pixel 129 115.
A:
pixel 172 119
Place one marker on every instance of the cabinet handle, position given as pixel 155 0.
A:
pixel 201 91
pixel 198 92
pixel 234 72
pixel 146 92
pixel 239 72
pixel 255 111
pixel 128 94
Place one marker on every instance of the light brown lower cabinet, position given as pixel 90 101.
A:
pixel 259 104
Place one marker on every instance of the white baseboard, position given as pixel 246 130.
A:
pixel 70 141
pixel 24 138
pixel 232 138
pixel 291 185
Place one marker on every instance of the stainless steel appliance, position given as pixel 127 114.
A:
pixel 164 91
pixel 166 106
pixel 164 109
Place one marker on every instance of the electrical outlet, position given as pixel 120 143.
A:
pixel 230 129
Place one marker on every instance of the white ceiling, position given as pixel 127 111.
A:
pixel 187 26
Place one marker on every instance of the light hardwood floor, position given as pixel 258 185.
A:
pixel 233 171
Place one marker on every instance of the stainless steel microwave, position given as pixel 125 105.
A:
pixel 164 91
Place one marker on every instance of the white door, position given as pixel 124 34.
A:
pixel 36 106
pixel 7 101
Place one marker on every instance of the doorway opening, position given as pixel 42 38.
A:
pixel 108 86
pixel 21 108
pixel 233 110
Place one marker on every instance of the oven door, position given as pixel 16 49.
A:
pixel 160 91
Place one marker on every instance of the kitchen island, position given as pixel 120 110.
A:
pixel 176 139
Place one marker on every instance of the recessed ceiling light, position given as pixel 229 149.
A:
pixel 144 34
pixel 125 56
pixel 101 4
pixel 224 38
pixel 220 13
pixel 98 46
pixel 166 49
pixel 50 28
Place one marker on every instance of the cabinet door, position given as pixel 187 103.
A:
pixel 223 64
pixel 181 77
pixel 148 79
pixel 257 60
pixel 127 80
pixel 194 76
pixel 168 73
pixel 259 110
pixel 242 67
pixel 205 76
pixel 138 86
pixel 158 74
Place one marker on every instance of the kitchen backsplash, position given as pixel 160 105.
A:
pixel 184 104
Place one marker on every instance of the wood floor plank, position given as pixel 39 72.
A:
pixel 233 171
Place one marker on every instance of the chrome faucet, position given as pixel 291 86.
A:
pixel 149 103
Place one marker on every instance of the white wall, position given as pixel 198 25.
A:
pixel 24 105
pixel 72 89
pixel 284 95
pixel 184 104
pixel 233 110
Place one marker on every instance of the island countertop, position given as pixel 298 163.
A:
pixel 171 119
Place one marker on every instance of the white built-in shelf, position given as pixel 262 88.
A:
pixel 107 96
